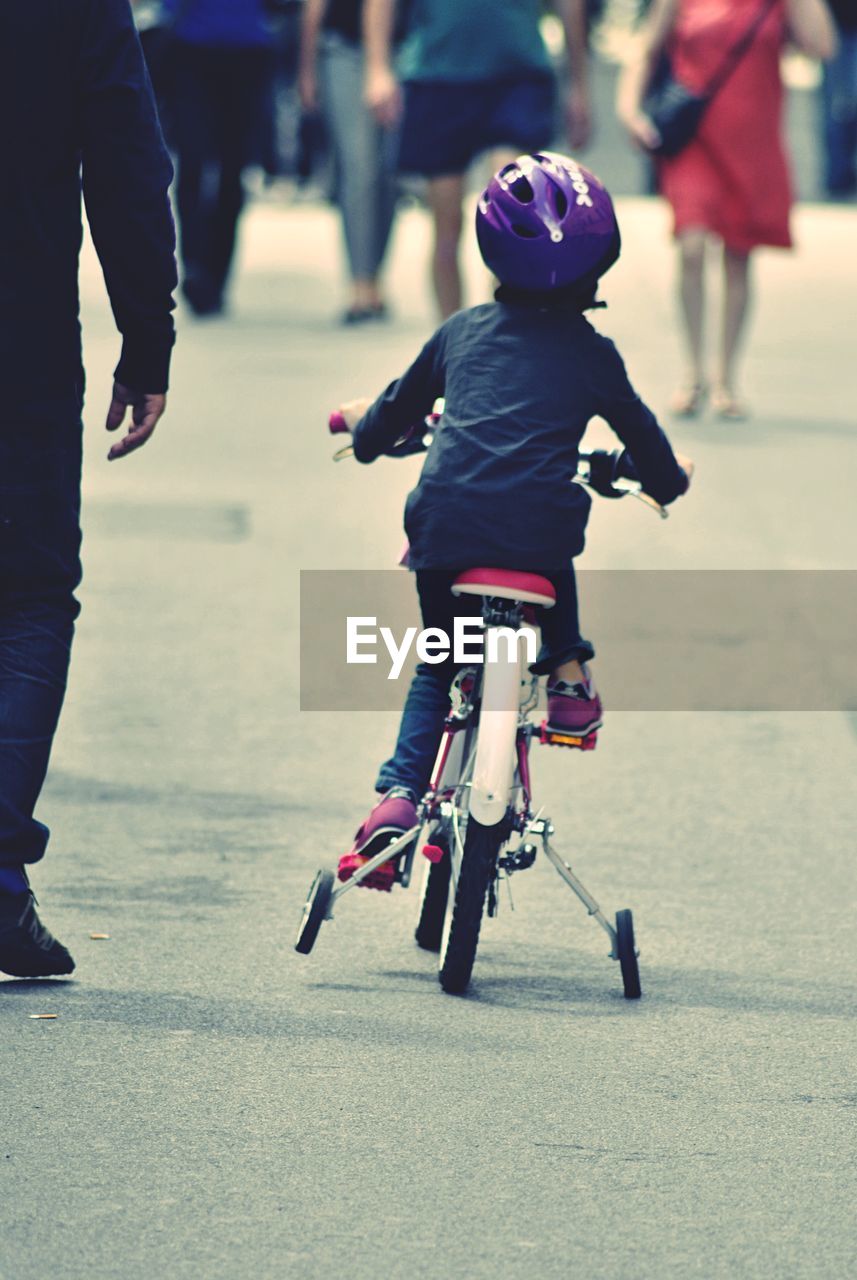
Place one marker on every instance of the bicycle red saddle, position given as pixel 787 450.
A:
pixel 506 584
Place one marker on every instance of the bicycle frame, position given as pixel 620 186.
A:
pixel 500 698
pixel 482 771
pixel 500 747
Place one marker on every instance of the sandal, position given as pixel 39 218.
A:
pixel 360 314
pixel 688 400
pixel 726 405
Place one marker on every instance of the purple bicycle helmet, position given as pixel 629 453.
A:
pixel 544 223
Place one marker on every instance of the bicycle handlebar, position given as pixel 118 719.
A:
pixel 603 469
pixel 609 473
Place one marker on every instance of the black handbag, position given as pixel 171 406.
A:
pixel 676 111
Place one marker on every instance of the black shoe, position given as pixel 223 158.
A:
pixel 202 296
pixel 360 315
pixel 27 948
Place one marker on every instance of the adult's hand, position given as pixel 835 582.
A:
pixel 146 410
pixel 383 95
pixel 578 117
pixel 686 465
pixel 641 130
pixel 308 89
pixel 810 24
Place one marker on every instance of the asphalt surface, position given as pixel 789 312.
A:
pixel 207 1103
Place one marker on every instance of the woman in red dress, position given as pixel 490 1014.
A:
pixel 731 182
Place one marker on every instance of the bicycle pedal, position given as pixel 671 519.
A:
pixel 562 738
pixel 382 877
pixel 521 859
pixel 433 852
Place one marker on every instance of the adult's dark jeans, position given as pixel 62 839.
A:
pixel 220 99
pixel 39 572
pixel 427 703
pixel 839 107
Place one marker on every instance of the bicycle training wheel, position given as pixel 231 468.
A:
pixel 464 910
pixel 434 892
pixel 627 954
pixel 315 911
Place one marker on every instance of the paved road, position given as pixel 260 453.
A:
pixel 207 1103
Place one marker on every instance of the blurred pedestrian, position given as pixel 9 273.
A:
pixel 75 102
pixel 222 60
pixel 363 149
pixel 839 105
pixel 476 78
pixel 731 180
pixel 154 25
pixel 285 124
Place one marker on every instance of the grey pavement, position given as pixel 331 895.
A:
pixel 207 1103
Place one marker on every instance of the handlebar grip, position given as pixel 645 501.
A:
pixel 626 468
pixel 336 423
pixel 606 467
pixel 602 472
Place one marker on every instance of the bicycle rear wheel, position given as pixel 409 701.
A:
pixel 464 911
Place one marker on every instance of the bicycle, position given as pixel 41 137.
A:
pixel 476 822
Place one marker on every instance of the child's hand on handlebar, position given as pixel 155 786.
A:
pixel 353 410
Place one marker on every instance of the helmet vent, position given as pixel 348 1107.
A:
pixel 522 190
pixel 526 233
pixel 561 201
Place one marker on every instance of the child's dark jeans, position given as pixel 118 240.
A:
pixel 427 703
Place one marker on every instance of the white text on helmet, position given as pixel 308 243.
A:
pixel 581 186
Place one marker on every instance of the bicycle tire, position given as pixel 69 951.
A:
pixel 458 948
pixel 627 951
pixel 433 899
pixel 315 911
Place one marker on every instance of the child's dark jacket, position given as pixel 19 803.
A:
pixel 521 383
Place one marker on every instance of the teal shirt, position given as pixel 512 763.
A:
pixel 470 40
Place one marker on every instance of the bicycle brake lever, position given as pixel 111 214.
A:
pixel 650 502
pixel 645 498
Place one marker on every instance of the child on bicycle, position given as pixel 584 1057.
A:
pixel 521 377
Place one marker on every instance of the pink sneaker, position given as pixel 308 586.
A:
pixel 393 815
pixel 574 708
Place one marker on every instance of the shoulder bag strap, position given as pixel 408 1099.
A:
pixel 739 48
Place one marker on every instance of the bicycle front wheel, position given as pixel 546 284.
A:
pixel 464 911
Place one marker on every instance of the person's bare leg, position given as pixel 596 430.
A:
pixel 572 672
pixel 736 300
pixel 691 247
pixel 445 196
pixel 364 293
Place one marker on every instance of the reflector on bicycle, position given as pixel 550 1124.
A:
pixel 556 738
